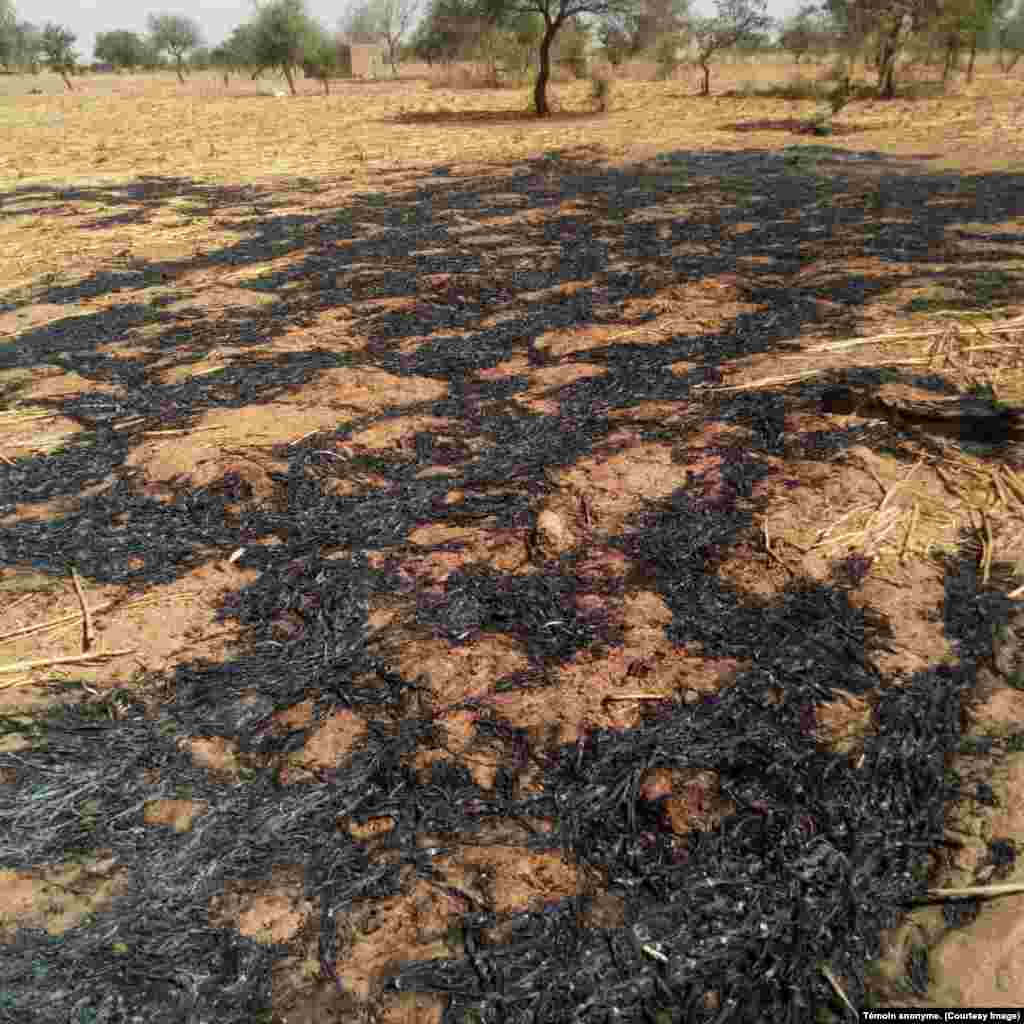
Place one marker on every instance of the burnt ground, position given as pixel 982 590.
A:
pixel 496 702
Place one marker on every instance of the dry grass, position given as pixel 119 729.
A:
pixel 121 127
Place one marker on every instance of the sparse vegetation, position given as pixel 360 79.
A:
pixel 601 91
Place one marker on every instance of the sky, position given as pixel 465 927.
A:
pixel 216 17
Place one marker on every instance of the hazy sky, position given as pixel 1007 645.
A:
pixel 216 17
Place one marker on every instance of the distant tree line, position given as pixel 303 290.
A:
pixel 529 37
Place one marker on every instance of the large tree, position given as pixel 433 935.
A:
pixel 367 21
pixel 55 44
pixel 280 36
pixel 554 14
pixel 174 34
pixel 736 22
pixel 122 49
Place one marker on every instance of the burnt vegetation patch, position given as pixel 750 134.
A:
pixel 807 853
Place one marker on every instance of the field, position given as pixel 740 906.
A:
pixel 437 541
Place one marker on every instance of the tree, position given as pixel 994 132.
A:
pixel 1009 32
pixel 736 21
pixel 8 32
pixel 804 33
pixel 55 44
pixel 555 14
pixel 881 27
pixel 369 20
pixel 653 26
pixel 28 46
pixel 280 36
pixel 237 52
pixel 221 59
pixel 201 59
pixel 974 22
pixel 323 60
pixel 439 37
pixel 572 46
pixel 174 34
pixel 429 43
pixel 462 28
pixel 122 49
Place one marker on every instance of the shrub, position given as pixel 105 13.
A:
pixel 601 91
pixel 666 57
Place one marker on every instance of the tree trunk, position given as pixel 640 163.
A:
pixel 952 57
pixel 887 64
pixel 290 77
pixel 974 53
pixel 887 79
pixel 67 81
pixel 225 79
pixel 705 88
pixel 327 85
pixel 540 88
pixel 177 67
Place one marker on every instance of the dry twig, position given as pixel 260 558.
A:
pixel 87 633
pixel 70 659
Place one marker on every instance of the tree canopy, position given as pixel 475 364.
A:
pixel 554 14
pixel 281 35
pixel 735 22
pixel 174 34
pixel 122 49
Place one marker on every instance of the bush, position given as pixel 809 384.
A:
pixel 666 57
pixel 601 91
